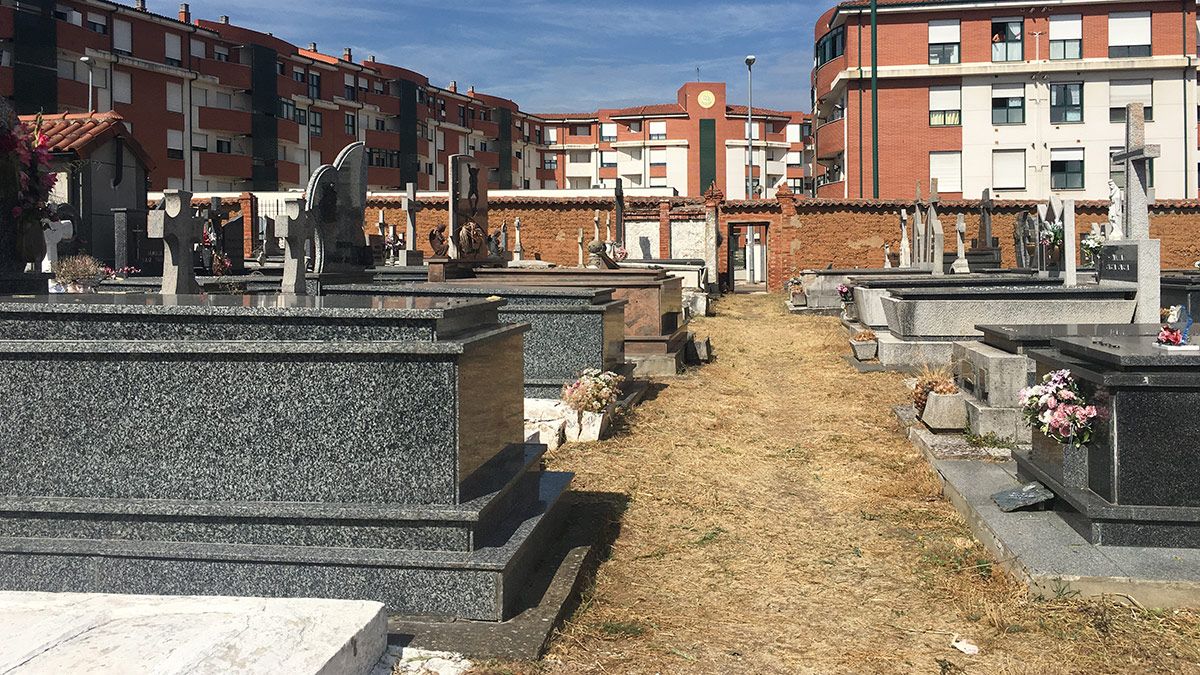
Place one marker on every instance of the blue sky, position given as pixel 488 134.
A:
pixel 557 56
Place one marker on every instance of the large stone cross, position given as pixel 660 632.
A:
pixel 518 249
pixel 292 225
pixel 985 240
pixel 1135 157
pixel 412 206
pixel 179 228
pixel 905 246
pixel 56 233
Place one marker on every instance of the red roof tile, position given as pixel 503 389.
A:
pixel 82 133
pixel 649 110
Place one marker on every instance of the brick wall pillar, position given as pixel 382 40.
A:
pixel 777 273
pixel 249 209
pixel 664 229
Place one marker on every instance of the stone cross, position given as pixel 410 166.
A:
pixel 504 236
pixel 960 266
pixel 292 225
pixel 905 246
pixel 920 239
pixel 580 242
pixel 596 226
pixel 518 250
pixel 57 232
pixel 179 228
pixel 1020 252
pixel 985 239
pixel 1043 212
pixel 1070 274
pixel 887 256
pixel 620 209
pixel 938 241
pixel 608 227
pixel 1136 156
pixel 412 206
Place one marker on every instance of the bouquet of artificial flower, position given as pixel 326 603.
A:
pixel 1057 408
pixel 594 391
pixel 845 293
pixel 1170 336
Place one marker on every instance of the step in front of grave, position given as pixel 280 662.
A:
pixel 480 585
pixel 511 485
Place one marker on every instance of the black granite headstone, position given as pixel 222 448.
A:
pixel 1118 262
pixel 132 248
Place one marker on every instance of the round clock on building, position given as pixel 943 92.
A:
pixel 706 99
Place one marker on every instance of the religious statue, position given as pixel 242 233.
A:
pixel 438 241
pixel 1116 207
pixel 472 240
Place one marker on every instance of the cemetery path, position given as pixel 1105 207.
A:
pixel 778 521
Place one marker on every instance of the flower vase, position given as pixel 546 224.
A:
pixel 586 426
pixel 850 310
pixel 865 350
pixel 945 412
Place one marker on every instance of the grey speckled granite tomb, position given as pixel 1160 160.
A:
pixel 1137 482
pixel 571 328
pixel 992 372
pixel 354 448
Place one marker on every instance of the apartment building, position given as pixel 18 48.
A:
pixel 1025 98
pixel 220 107
pixel 689 145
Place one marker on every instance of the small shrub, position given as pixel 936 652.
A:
pixel 78 268
pixel 593 391
pixel 867 335
pixel 929 380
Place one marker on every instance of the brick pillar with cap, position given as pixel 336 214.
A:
pixel 664 228
pixel 249 209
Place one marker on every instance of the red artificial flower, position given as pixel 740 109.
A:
pixel 1169 336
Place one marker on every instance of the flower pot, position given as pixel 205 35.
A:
pixel 799 299
pixel 945 412
pixel 587 426
pixel 865 350
pixel 850 311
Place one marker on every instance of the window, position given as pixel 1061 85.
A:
pixel 1066 169
pixel 581 130
pixel 122 87
pixel 97 23
pixel 173 51
pixel 608 132
pixel 315 120
pixel 658 157
pixel 197 49
pixel 518 154
pixel 1128 34
pixel 751 130
pixel 658 131
pixel 364 84
pixel 945 106
pixel 349 91
pixel 946 168
pixel 122 37
pixel 462 116
pixel 831 46
pixel 793 158
pixel 608 159
pixel 220 54
pixel 1123 92
pixel 1116 171
pixel 287 109
pixel 1066 36
pixel 550 162
pixel 200 142
pixel 944 41
pixel 301 117
pixel 551 135
pixel 1066 103
pixel 174 144
pixel 1007 40
pixel 635 127
pixel 441 140
pixel 1008 103
pixel 351 124
pixel 1008 169
pixel 298 75
pixel 380 124
pixel 483 146
pixel 224 146
pixel 174 97
pixel 222 100
pixel 314 86
pixel 793 133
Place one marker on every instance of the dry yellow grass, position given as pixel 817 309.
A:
pixel 777 521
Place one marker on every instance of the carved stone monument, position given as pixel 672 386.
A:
pixel 410 256
pixel 905 245
pixel 468 209
pixel 180 229
pixel 293 227
pixel 336 200
pixel 960 266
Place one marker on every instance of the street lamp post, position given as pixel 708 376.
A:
pixel 749 125
pixel 87 61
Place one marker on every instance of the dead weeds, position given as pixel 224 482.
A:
pixel 777 521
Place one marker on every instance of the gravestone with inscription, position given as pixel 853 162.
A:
pixel 336 200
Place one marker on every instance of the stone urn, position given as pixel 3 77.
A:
pixel 945 412
pixel 587 426
pixel 798 297
pixel 865 350
pixel 850 311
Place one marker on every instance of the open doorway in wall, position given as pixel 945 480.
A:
pixel 746 253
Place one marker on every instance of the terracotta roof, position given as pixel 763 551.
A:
pixel 740 111
pixel 649 110
pixel 82 133
pixel 565 116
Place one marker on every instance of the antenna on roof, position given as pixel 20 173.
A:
pixel 697 73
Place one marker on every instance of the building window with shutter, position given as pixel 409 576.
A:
pixel 945 106
pixel 1008 169
pixel 944 41
pixel 1066 103
pixel 315 122
pixel 608 132
pixel 1008 40
pixel 1008 103
pixel 658 131
pixel 1116 170
pixel 314 86
pixel 173 50
pixel 1066 169
pixel 1123 92
pixel 122 37
pixel 174 144
pixel 351 124
pixel 1066 37
pixel 1128 34
pixel 946 168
